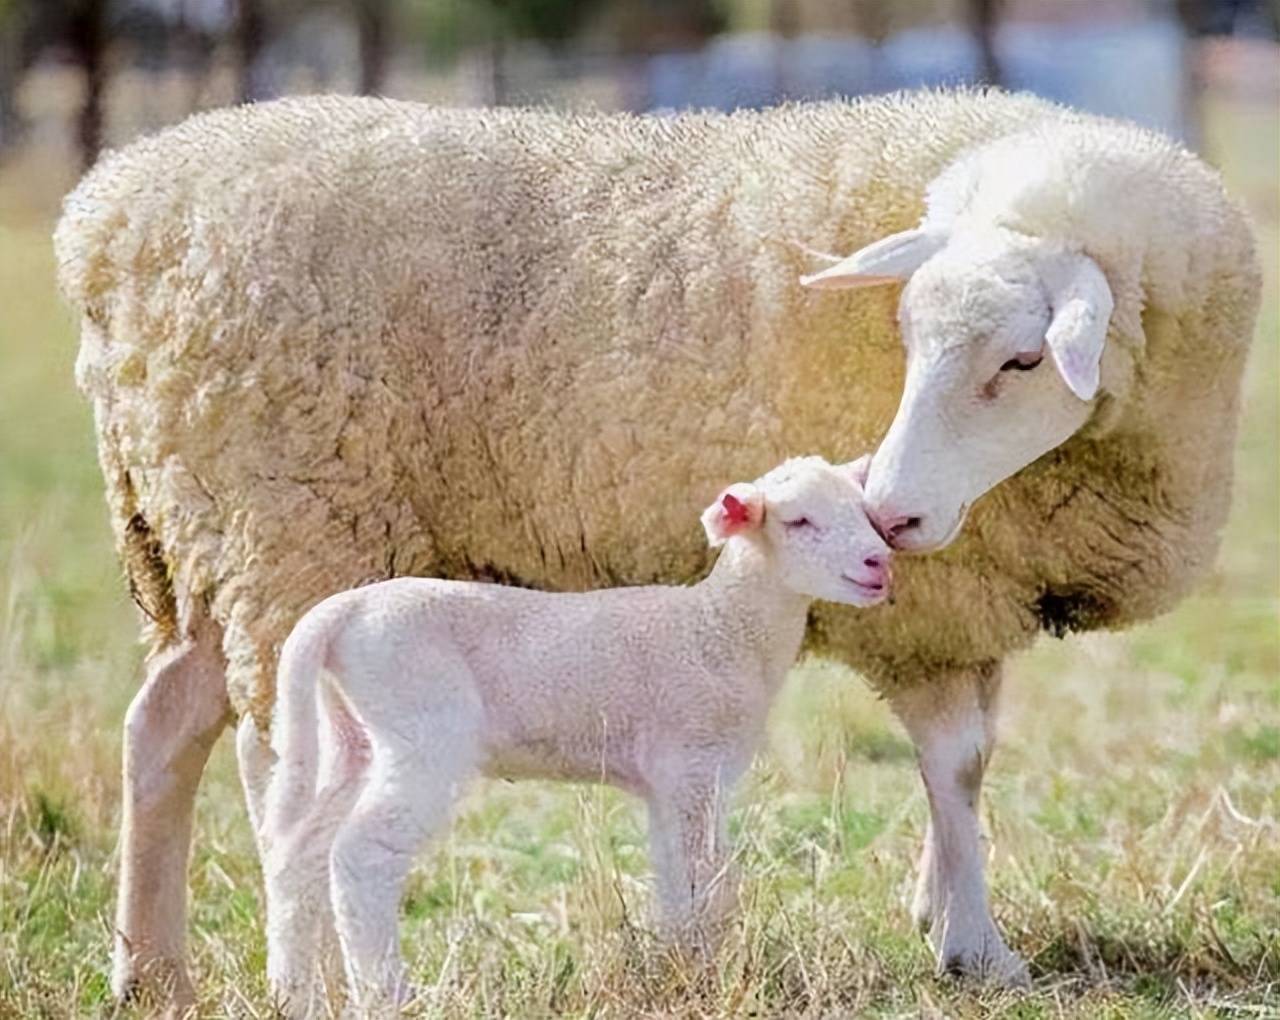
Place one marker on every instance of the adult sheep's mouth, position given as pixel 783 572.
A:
pixel 905 544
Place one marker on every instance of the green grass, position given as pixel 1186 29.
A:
pixel 1133 806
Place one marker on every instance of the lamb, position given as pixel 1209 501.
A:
pixel 334 340
pixel 662 691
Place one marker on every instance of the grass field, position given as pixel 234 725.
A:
pixel 1134 805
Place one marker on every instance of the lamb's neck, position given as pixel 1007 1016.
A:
pixel 744 587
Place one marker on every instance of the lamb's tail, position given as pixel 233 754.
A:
pixel 296 736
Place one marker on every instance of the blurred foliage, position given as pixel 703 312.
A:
pixel 447 27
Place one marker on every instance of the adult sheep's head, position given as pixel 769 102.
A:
pixel 1004 335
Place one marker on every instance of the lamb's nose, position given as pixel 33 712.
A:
pixel 874 574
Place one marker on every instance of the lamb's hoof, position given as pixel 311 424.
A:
pixel 407 994
pixel 385 1003
pixel 990 963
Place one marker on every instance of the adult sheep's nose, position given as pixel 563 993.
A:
pixel 895 527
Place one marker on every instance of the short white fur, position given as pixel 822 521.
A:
pixel 424 684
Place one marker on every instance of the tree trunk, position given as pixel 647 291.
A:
pixel 784 23
pixel 871 20
pixel 193 51
pixel 87 34
pixel 983 18
pixel 1193 16
pixel 497 67
pixel 12 69
pixel 250 37
pixel 373 19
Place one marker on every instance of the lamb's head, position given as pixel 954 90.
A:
pixel 807 516
pixel 1005 337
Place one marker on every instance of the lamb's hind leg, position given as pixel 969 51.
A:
pixel 951 719
pixel 302 945
pixel 426 743
pixel 171 726
pixel 255 758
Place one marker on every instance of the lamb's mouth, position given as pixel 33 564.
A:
pixel 873 592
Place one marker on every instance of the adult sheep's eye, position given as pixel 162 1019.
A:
pixel 1022 362
pixel 799 522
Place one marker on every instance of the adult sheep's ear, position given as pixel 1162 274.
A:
pixel 890 259
pixel 739 509
pixel 1081 303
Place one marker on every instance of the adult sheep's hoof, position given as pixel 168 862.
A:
pixel 991 962
pixel 155 1007
pixel 159 988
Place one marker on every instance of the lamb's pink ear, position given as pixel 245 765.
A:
pixel 888 260
pixel 740 508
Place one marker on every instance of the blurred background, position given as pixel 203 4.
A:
pixel 81 74
pixel 1135 799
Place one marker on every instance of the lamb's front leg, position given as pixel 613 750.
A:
pixel 951 719
pixel 425 748
pixel 689 839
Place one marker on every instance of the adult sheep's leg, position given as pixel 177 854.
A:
pixel 169 730
pixel 689 840
pixel 929 901
pixel 951 718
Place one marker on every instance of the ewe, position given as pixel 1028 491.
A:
pixel 334 340
pixel 661 691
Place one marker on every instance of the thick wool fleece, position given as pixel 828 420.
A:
pixel 329 340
